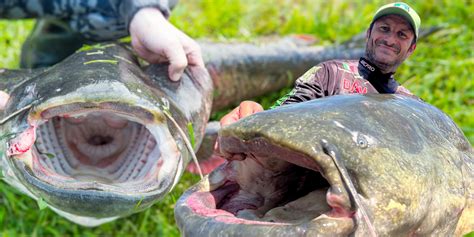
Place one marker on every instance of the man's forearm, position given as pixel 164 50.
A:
pixel 96 20
pixel 130 7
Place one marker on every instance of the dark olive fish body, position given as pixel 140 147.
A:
pixel 96 142
pixel 88 134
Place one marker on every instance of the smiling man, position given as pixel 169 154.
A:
pixel 390 39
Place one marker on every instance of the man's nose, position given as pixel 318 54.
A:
pixel 390 39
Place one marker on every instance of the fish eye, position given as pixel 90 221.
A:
pixel 362 142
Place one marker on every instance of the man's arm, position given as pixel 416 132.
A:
pixel 154 38
pixel 95 20
pixel 123 9
pixel 129 8
pixel 315 83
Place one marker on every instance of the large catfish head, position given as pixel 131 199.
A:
pixel 97 136
pixel 344 165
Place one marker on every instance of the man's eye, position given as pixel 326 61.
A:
pixel 384 28
pixel 402 35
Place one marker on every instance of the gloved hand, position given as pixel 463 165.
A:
pixel 156 40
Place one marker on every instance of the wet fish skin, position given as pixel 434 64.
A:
pixel 412 167
pixel 109 66
pixel 239 71
pixel 106 78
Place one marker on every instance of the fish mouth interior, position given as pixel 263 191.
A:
pixel 104 150
pixel 264 183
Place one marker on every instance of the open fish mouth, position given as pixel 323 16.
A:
pixel 264 185
pixel 114 153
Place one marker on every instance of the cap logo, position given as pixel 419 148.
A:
pixel 402 5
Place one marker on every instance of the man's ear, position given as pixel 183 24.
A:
pixel 411 49
pixel 367 35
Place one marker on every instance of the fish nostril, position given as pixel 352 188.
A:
pixel 98 140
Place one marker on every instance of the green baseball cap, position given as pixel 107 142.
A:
pixel 402 9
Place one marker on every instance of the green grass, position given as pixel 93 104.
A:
pixel 20 215
pixel 440 72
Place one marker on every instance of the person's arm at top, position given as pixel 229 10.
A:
pixel 119 11
pixel 154 38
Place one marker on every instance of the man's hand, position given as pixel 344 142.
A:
pixel 3 99
pixel 156 40
pixel 245 109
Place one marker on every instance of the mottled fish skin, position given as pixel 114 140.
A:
pixel 239 71
pixel 102 78
pixel 412 167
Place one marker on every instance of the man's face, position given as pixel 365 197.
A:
pixel 390 42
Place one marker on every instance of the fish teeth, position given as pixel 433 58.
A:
pixel 75 120
pixel 115 121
